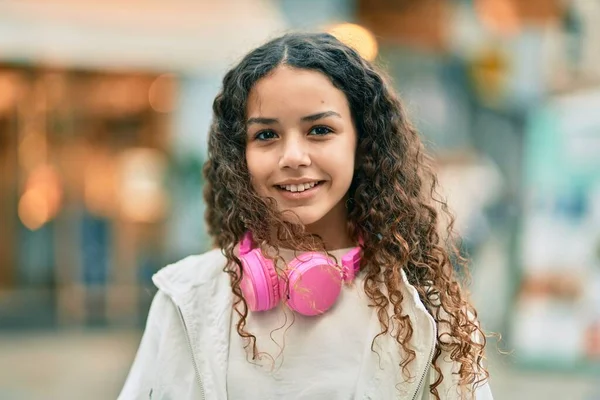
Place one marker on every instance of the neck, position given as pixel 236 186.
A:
pixel 333 228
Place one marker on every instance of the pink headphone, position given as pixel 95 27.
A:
pixel 315 281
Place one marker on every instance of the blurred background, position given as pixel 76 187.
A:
pixel 104 111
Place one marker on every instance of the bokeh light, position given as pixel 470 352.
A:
pixel 41 197
pixel 161 94
pixel 357 37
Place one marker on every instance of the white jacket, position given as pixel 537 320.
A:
pixel 184 350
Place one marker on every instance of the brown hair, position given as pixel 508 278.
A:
pixel 392 202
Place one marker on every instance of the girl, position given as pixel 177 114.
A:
pixel 330 280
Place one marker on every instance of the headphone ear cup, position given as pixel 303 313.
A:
pixel 260 284
pixel 315 283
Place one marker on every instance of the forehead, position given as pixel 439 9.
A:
pixel 291 90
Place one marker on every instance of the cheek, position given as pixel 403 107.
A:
pixel 253 162
pixel 258 171
pixel 347 174
pixel 341 165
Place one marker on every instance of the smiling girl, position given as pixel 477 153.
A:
pixel 329 279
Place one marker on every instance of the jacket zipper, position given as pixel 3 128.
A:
pixel 429 362
pixel 196 370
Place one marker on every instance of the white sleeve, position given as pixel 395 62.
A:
pixel 140 378
pixel 484 392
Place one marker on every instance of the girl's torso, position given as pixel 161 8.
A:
pixel 189 350
pixel 300 356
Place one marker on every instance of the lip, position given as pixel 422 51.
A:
pixel 299 181
pixel 306 194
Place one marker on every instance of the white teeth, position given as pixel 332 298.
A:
pixel 298 188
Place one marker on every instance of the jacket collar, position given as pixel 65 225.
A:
pixel 200 289
pixel 180 279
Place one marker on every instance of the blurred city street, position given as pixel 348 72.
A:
pixel 105 108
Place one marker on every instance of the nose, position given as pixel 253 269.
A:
pixel 295 154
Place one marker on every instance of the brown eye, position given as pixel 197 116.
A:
pixel 265 135
pixel 320 131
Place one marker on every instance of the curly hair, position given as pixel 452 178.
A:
pixel 392 201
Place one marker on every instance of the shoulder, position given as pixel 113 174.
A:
pixel 190 272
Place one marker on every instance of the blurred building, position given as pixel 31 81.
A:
pixel 103 114
pixel 104 110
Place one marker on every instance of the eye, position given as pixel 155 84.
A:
pixel 320 131
pixel 265 135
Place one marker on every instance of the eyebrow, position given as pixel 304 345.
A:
pixel 309 118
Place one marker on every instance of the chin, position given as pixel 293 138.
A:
pixel 305 217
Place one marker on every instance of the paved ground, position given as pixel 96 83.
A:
pixel 92 366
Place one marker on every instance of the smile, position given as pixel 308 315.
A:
pixel 301 191
pixel 300 187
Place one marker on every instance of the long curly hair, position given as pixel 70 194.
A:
pixel 392 201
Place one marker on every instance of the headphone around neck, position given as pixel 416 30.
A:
pixel 314 279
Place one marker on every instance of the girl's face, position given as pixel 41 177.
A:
pixel 301 144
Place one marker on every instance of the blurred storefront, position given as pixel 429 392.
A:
pixel 104 110
pixel 85 169
pixel 103 115
pixel 504 93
